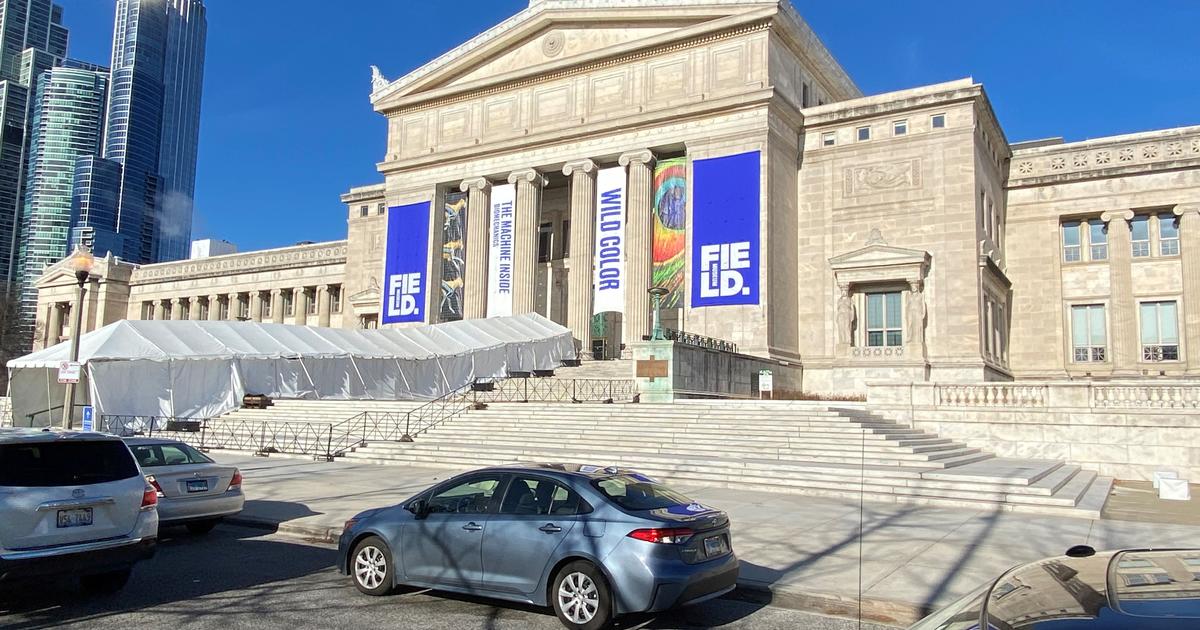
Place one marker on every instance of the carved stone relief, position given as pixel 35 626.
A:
pixel 883 177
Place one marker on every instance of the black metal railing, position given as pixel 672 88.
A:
pixel 326 440
pixel 700 341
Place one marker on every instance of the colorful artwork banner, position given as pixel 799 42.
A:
pixel 454 256
pixel 670 233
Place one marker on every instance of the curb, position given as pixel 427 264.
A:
pixel 880 611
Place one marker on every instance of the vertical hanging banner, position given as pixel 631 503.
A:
pixel 609 280
pixel 454 257
pixel 500 250
pixel 670 236
pixel 405 263
pixel 725 230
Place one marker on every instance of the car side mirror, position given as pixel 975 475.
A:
pixel 418 507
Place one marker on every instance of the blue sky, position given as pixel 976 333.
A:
pixel 287 127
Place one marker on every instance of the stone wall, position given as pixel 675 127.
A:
pixel 667 370
pixel 1125 430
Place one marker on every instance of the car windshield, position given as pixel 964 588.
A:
pixel 73 463
pixel 152 455
pixel 635 492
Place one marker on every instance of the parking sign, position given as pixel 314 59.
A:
pixel 89 424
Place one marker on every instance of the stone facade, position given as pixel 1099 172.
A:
pixel 903 238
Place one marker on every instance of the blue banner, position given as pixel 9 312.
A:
pixel 725 230
pixel 405 263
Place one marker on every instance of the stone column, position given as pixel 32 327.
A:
pixel 255 298
pixel 529 208
pixel 194 308
pixel 159 311
pixel 176 309
pixel 214 308
pixel 1189 253
pixel 1125 342
pixel 277 306
pixel 583 248
pixel 639 243
pixel 54 330
pixel 233 307
pixel 300 306
pixel 479 210
pixel 323 306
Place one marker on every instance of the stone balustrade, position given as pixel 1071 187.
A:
pixel 991 395
pixel 1136 396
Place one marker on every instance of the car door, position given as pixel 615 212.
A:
pixel 535 517
pixel 445 547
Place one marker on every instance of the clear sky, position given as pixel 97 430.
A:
pixel 287 126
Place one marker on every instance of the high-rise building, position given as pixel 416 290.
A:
pixel 139 205
pixel 32 40
pixel 67 124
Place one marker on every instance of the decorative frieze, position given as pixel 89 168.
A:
pixel 253 262
pixel 1079 160
pixel 882 177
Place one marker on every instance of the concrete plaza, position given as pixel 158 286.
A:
pixel 798 551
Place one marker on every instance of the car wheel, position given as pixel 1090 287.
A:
pixel 581 597
pixel 371 566
pixel 103 583
pixel 202 527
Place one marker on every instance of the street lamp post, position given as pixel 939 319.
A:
pixel 656 331
pixel 81 263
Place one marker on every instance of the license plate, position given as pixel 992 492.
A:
pixel 197 485
pixel 714 546
pixel 81 517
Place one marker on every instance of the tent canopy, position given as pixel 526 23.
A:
pixel 202 368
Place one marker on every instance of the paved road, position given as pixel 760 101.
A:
pixel 243 578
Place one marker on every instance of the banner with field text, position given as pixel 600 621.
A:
pixel 405 264
pixel 609 279
pixel 670 234
pixel 502 232
pixel 726 204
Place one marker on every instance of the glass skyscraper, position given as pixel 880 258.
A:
pixel 32 40
pixel 67 124
pixel 137 201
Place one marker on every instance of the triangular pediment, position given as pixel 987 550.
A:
pixel 364 297
pixel 879 255
pixel 552 35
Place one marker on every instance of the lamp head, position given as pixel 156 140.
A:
pixel 658 291
pixel 81 261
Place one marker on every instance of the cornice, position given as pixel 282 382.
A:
pixel 330 253
pixel 1165 150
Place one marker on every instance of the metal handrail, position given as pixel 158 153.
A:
pixel 700 341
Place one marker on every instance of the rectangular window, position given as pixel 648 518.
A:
pixel 804 98
pixel 864 133
pixel 1140 235
pixel 243 307
pixel 899 127
pixel 335 299
pixel 828 139
pixel 311 305
pixel 223 310
pixel 185 308
pixel 364 211
pixel 1088 333
pixel 289 305
pixel 545 241
pixel 381 208
pixel 147 310
pixel 1160 331
pixel 883 320
pixel 937 121
pixel 267 306
pixel 1168 235
pixel 1072 244
pixel 566 238
pixel 1098 239
pixel 204 308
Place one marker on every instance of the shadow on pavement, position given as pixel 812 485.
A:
pixel 230 561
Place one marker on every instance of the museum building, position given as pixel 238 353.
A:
pixel 581 153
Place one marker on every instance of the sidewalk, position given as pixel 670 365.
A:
pixel 803 551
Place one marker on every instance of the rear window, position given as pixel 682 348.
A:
pixel 153 455
pixel 74 463
pixel 635 492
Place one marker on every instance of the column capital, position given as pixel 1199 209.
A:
pixel 529 175
pixel 481 184
pixel 586 167
pixel 1187 208
pixel 176 301
pixel 276 292
pixel 1110 215
pixel 644 156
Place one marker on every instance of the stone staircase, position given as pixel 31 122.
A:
pixel 793 447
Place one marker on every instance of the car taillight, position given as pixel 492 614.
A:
pixel 150 495
pixel 154 482
pixel 236 482
pixel 668 536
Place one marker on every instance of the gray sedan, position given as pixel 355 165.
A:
pixel 193 490
pixel 591 542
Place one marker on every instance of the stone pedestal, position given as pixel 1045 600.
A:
pixel 529 205
pixel 583 246
pixel 653 370
pixel 1123 318
pixel 479 208
pixel 639 254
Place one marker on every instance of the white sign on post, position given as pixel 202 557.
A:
pixel 765 382
pixel 68 372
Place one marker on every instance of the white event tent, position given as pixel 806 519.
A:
pixel 202 369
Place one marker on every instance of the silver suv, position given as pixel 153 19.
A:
pixel 73 505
